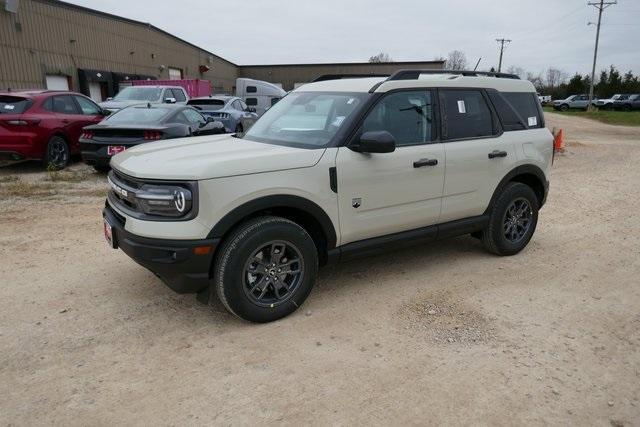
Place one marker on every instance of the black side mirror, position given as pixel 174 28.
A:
pixel 379 141
pixel 104 112
pixel 210 119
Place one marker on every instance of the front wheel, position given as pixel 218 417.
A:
pixel 512 221
pixel 265 269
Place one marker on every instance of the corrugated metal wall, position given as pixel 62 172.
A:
pixel 46 37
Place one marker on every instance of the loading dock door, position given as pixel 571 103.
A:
pixel 57 82
pixel 95 92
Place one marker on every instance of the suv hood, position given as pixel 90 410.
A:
pixel 206 157
pixel 118 105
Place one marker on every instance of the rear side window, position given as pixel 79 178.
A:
pixel 14 104
pixel 526 105
pixel 466 114
pixel 508 117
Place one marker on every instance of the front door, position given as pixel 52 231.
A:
pixel 385 193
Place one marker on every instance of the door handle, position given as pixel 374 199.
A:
pixel 425 162
pixel 497 153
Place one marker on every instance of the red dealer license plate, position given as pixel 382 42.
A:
pixel 115 149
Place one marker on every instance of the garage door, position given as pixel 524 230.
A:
pixel 95 92
pixel 57 82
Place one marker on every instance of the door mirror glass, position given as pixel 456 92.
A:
pixel 379 141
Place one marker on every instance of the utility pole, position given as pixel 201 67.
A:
pixel 601 5
pixel 502 42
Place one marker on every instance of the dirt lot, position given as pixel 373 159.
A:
pixel 438 334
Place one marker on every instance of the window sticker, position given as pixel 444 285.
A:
pixel 338 121
pixel 9 107
pixel 461 107
pixel 533 121
pixel 350 101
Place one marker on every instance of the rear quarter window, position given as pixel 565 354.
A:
pixel 526 105
pixel 14 104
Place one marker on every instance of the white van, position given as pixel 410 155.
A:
pixel 258 94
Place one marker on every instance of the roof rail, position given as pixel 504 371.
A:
pixel 411 74
pixel 326 77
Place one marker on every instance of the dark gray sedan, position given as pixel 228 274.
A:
pixel 139 124
pixel 231 111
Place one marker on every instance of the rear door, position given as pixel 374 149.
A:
pixel 478 153
pixel 70 118
pixel 385 193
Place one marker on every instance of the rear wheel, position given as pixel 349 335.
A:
pixel 627 107
pixel 265 269
pixel 512 221
pixel 57 153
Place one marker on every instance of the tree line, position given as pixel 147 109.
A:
pixel 553 81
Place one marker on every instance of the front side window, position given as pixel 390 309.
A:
pixel 64 105
pixel 193 116
pixel 408 116
pixel 236 105
pixel 305 119
pixel 178 95
pixel 88 108
pixel 466 114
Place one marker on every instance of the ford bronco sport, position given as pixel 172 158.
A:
pixel 336 169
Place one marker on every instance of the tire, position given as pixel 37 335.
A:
pixel 239 128
pixel 627 107
pixel 57 154
pixel 564 107
pixel 244 269
pixel 503 237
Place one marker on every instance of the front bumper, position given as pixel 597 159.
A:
pixel 173 261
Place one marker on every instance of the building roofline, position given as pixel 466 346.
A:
pixel 88 10
pixel 343 63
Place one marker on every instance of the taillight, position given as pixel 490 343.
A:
pixel 152 135
pixel 87 134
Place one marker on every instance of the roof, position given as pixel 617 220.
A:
pixel 130 21
pixel 320 64
pixel 381 84
pixel 221 97
pixel 34 92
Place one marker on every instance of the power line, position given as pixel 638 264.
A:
pixel 502 42
pixel 601 6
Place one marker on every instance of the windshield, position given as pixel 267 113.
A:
pixel 13 104
pixel 207 104
pixel 139 94
pixel 305 119
pixel 138 115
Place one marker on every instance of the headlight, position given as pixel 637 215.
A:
pixel 164 200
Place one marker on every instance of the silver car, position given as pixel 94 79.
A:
pixel 574 102
pixel 232 111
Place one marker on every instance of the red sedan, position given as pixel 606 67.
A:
pixel 44 125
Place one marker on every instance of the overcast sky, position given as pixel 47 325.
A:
pixel 544 32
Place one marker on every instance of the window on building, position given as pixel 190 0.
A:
pixel 466 114
pixel 175 73
pixel 408 116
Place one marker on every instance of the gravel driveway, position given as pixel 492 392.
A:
pixel 443 333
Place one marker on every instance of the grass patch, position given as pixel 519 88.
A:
pixel 20 188
pixel 621 118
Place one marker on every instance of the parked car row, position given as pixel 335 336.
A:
pixel 621 102
pixel 52 126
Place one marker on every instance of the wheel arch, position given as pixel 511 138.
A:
pixel 530 175
pixel 302 211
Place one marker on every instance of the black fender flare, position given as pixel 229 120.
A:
pixel 520 170
pixel 278 201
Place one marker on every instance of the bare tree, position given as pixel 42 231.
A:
pixel 518 71
pixel 535 79
pixel 457 60
pixel 555 77
pixel 381 57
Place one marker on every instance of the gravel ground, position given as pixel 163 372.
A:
pixel 438 334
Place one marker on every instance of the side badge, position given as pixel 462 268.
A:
pixel 356 202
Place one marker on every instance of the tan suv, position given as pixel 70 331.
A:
pixel 338 168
